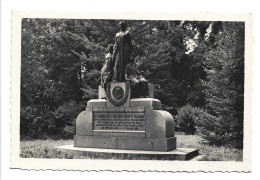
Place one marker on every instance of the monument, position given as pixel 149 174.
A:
pixel 120 122
pixel 121 119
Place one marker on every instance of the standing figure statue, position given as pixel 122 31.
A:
pixel 107 71
pixel 122 51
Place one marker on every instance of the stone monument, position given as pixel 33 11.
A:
pixel 120 122
pixel 117 120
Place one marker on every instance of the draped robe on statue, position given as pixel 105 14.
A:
pixel 122 51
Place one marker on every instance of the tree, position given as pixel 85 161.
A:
pixel 225 86
pixel 50 70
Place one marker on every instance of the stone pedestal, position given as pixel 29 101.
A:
pixel 119 122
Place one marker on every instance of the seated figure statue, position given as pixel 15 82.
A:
pixel 138 82
pixel 107 72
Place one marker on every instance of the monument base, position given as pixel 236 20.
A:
pixel 131 143
pixel 121 122
pixel 180 154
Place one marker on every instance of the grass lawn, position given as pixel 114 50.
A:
pixel 208 152
pixel 45 149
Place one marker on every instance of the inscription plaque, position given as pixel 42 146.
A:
pixel 118 121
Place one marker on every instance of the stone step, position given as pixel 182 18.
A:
pixel 180 154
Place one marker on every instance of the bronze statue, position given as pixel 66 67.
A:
pixel 138 82
pixel 107 71
pixel 122 51
pixel 118 63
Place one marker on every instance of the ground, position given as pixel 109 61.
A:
pixel 45 149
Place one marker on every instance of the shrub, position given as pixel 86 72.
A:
pixel 42 126
pixel 186 119
pixel 67 113
pixel 58 124
pixel 27 114
pixel 214 130
pixel 35 124
pixel 68 131
pixel 218 131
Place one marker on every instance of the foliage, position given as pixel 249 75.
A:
pixel 225 86
pixel 169 66
pixel 187 118
pixel 51 73
pixel 60 123
pixel 200 63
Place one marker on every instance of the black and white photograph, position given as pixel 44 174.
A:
pixel 130 91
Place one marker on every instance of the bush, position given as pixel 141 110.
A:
pixel 69 131
pixel 58 124
pixel 27 115
pixel 66 118
pixel 215 130
pixel 218 131
pixel 187 118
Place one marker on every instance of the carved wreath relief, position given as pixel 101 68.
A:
pixel 118 92
pixel 119 95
